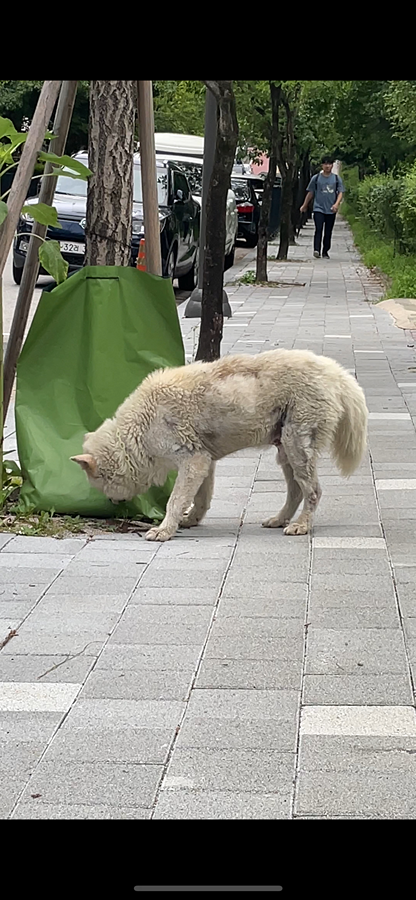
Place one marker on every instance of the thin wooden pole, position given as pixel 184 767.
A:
pixel 149 183
pixel 24 172
pixel 61 125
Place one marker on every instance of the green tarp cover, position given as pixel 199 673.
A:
pixel 92 341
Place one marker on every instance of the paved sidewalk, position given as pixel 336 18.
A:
pixel 233 672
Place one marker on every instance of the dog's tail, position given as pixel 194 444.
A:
pixel 351 435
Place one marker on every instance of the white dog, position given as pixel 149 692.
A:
pixel 186 418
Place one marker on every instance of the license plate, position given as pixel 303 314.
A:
pixel 71 247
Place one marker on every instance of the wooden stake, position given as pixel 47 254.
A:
pixel 149 182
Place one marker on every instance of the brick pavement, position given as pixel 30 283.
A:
pixel 233 672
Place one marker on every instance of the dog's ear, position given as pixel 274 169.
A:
pixel 87 462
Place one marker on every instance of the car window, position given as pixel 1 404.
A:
pixel 241 190
pixel 162 185
pixel 180 183
pixel 66 185
pixel 193 173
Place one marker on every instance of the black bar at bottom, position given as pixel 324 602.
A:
pixel 151 887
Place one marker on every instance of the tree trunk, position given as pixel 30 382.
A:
pixel 110 188
pixel 285 213
pixel 287 165
pixel 210 334
pixel 261 258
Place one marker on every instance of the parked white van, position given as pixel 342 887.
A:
pixel 187 151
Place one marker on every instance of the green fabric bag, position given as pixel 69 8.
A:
pixel 93 339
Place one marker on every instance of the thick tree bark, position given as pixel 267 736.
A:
pixel 261 259
pixel 210 334
pixel 110 188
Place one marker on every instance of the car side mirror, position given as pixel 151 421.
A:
pixel 179 195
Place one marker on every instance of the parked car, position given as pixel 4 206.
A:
pixel 179 216
pixel 248 208
pixel 192 166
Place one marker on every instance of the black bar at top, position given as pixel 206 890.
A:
pixel 262 887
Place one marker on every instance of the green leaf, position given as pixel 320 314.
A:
pixel 3 211
pixel 6 127
pixel 42 213
pixel 66 161
pixel 51 259
pixel 60 171
pixel 11 468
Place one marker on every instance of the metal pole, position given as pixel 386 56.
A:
pixel 193 308
pixel 61 125
pixel 149 182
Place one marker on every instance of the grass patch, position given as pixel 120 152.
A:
pixel 47 524
pixel 378 253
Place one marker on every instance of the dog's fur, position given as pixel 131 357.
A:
pixel 186 418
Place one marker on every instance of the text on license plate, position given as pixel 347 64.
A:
pixel 71 247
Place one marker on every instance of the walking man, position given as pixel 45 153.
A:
pixel 327 190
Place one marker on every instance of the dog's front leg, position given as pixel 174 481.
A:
pixel 192 470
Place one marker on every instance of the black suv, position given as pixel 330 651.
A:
pixel 179 216
pixel 248 208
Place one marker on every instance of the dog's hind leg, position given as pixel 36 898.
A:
pixel 202 501
pixel 192 472
pixel 294 494
pixel 302 456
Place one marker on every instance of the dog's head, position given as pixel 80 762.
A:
pixel 109 468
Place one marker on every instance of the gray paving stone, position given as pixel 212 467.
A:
pixel 177 564
pixel 35 668
pixel 144 657
pixel 362 690
pixel 230 770
pixel 26 575
pixel 56 644
pixel 37 561
pixel 108 684
pixel 6 539
pixel 81 604
pixel 358 530
pixel 355 651
pixel 216 733
pixel 290 605
pixel 249 674
pixel 342 562
pixel 253 647
pixel 378 584
pixel 174 596
pixel 119 714
pixel 23 727
pixel 82 783
pixel 322 599
pixel 99 744
pixel 111 570
pixel 353 617
pixel 120 554
pixel 66 622
pixel 21 593
pixel 243 704
pixel 37 810
pixel 93 586
pixel 222 805
pixel 49 545
pixel 383 795
pixel 405 574
pixel 181 578
pixel 155 633
pixel 10 789
pixel 407 599
pixel 245 584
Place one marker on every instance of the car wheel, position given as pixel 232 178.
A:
pixel 229 259
pixel 189 281
pixel 17 273
pixel 170 265
pixel 252 239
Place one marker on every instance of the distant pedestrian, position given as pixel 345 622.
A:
pixel 327 190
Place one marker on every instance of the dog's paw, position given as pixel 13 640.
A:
pixel 158 534
pixel 275 522
pixel 296 528
pixel 189 521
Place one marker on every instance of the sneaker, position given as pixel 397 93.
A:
pixel 325 255
pixel 316 254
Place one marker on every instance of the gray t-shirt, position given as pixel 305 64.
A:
pixel 326 189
